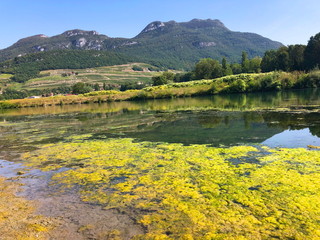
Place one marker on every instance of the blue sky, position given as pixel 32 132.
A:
pixel 287 21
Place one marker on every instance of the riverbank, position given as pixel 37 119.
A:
pixel 242 83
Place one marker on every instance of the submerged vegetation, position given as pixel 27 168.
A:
pixel 17 218
pixel 196 191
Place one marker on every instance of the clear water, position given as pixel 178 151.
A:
pixel 222 120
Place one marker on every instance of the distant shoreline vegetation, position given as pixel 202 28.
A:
pixel 241 83
pixel 292 67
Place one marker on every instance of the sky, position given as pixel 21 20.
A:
pixel 286 21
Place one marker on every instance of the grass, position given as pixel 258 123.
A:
pixel 5 80
pixel 273 81
pixel 5 76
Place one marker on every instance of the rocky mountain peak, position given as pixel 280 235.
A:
pixel 77 32
pixel 32 38
pixel 153 26
pixel 207 23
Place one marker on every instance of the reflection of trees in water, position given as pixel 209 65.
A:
pixel 210 122
pixel 266 99
pixel 294 121
pixel 279 120
pixel 315 130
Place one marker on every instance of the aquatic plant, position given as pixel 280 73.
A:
pixel 196 191
pixel 18 220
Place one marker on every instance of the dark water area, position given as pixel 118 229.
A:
pixel 222 120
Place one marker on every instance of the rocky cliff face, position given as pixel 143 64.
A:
pixel 153 26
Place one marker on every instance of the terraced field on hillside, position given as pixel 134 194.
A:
pixel 109 75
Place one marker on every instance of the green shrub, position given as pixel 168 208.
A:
pixel 7 105
pixel 137 68
pixel 81 88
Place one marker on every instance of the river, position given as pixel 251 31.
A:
pixel 271 120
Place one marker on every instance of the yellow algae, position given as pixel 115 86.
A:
pixel 17 218
pixel 196 191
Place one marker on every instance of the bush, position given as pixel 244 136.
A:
pixel 137 68
pixel 189 76
pixel 239 86
pixel 311 80
pixel 154 69
pixel 7 105
pixel 81 88
pixel 164 78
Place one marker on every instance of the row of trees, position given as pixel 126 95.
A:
pixel 209 68
pixel 81 88
pixel 293 57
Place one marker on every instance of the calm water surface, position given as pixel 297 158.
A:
pixel 224 120
pixel 219 121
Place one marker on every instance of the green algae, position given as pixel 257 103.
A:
pixel 18 220
pixel 193 192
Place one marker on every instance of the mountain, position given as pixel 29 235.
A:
pixel 73 39
pixel 169 44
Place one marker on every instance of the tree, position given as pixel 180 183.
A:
pixel 255 65
pixel 226 69
pixel 208 68
pixel 96 87
pixel 236 68
pixel 80 88
pixel 283 59
pixel 296 57
pixel 289 58
pixel 312 52
pixel 164 78
pixel 245 64
pixel 183 77
pixel 269 61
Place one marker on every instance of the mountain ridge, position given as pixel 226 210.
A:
pixel 174 44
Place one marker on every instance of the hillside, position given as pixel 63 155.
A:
pixel 169 44
pixel 110 75
pixel 125 76
pixel 28 66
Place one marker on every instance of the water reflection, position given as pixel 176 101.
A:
pixel 230 128
pixel 293 139
pixel 204 120
pixel 221 102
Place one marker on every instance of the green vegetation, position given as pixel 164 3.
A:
pixel 61 81
pixel 17 216
pixel 196 191
pixel 180 45
pixel 243 83
pixel 172 45
pixel 137 68
pixel 162 79
pixel 29 66
pixel 293 57
pixel 209 68
pixel 81 88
